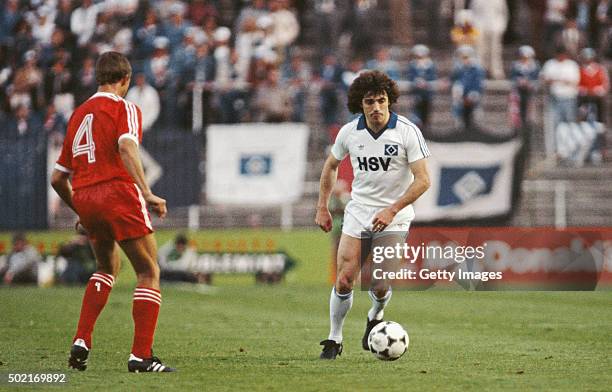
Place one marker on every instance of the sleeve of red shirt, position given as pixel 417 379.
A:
pixel 64 162
pixel 129 122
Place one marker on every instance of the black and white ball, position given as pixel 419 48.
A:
pixel 388 341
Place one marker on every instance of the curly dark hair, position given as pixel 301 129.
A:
pixel 371 82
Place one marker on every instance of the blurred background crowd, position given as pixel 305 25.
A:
pixel 227 61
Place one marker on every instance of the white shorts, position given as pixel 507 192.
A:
pixel 358 218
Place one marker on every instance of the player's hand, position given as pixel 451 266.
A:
pixel 157 204
pixel 324 219
pixel 382 219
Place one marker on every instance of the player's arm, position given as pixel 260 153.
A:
pixel 420 184
pixel 60 181
pixel 326 184
pixel 128 150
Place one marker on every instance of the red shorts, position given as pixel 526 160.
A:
pixel 112 210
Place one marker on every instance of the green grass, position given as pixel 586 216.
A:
pixel 239 336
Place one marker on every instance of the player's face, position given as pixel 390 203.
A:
pixel 376 110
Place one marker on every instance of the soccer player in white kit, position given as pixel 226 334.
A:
pixel 388 154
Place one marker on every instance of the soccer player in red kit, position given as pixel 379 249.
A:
pixel 100 176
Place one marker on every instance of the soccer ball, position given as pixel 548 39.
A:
pixel 388 341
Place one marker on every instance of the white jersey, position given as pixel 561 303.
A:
pixel 380 160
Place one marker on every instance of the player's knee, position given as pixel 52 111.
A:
pixel 149 271
pixel 108 268
pixel 380 292
pixel 344 283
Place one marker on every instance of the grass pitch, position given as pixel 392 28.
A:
pixel 240 336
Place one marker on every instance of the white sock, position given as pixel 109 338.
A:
pixel 377 311
pixel 81 343
pixel 134 358
pixel 339 305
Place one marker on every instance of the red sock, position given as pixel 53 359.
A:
pixel 145 310
pixel 96 295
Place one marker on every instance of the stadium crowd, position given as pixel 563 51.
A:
pixel 194 65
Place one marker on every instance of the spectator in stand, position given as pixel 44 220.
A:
pixel 21 263
pixel 491 20
pixel 285 27
pixel 210 26
pixel 554 21
pixel 146 34
pixel 199 10
pixel 23 40
pixel 9 16
pixel 234 96
pixel 328 22
pixel 572 38
pixel 382 62
pixel 83 22
pixel 145 97
pixel 63 15
pixel 422 75
pixel 231 99
pixel 6 72
pixel 59 43
pixel 603 15
pixel 593 88
pixel 123 9
pixel 561 75
pixel 272 99
pixel 249 36
pixel 264 58
pixel 122 41
pixel 196 84
pixel 584 11
pixel 27 83
pixel 464 32
pixel 524 75
pixel 297 75
pixel 54 125
pixel 162 78
pixel 360 27
pixel 354 68
pixel 176 26
pixel 467 81
pixel 331 81
pixel 183 56
pixel 222 53
pixel 255 9
pixel 86 78
pixel 107 25
pixel 23 123
pixel 58 88
pixel 43 24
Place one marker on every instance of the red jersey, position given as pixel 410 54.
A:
pixel 594 80
pixel 91 147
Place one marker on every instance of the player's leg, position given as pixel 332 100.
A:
pixel 341 298
pixel 96 295
pixel 380 290
pixel 142 253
